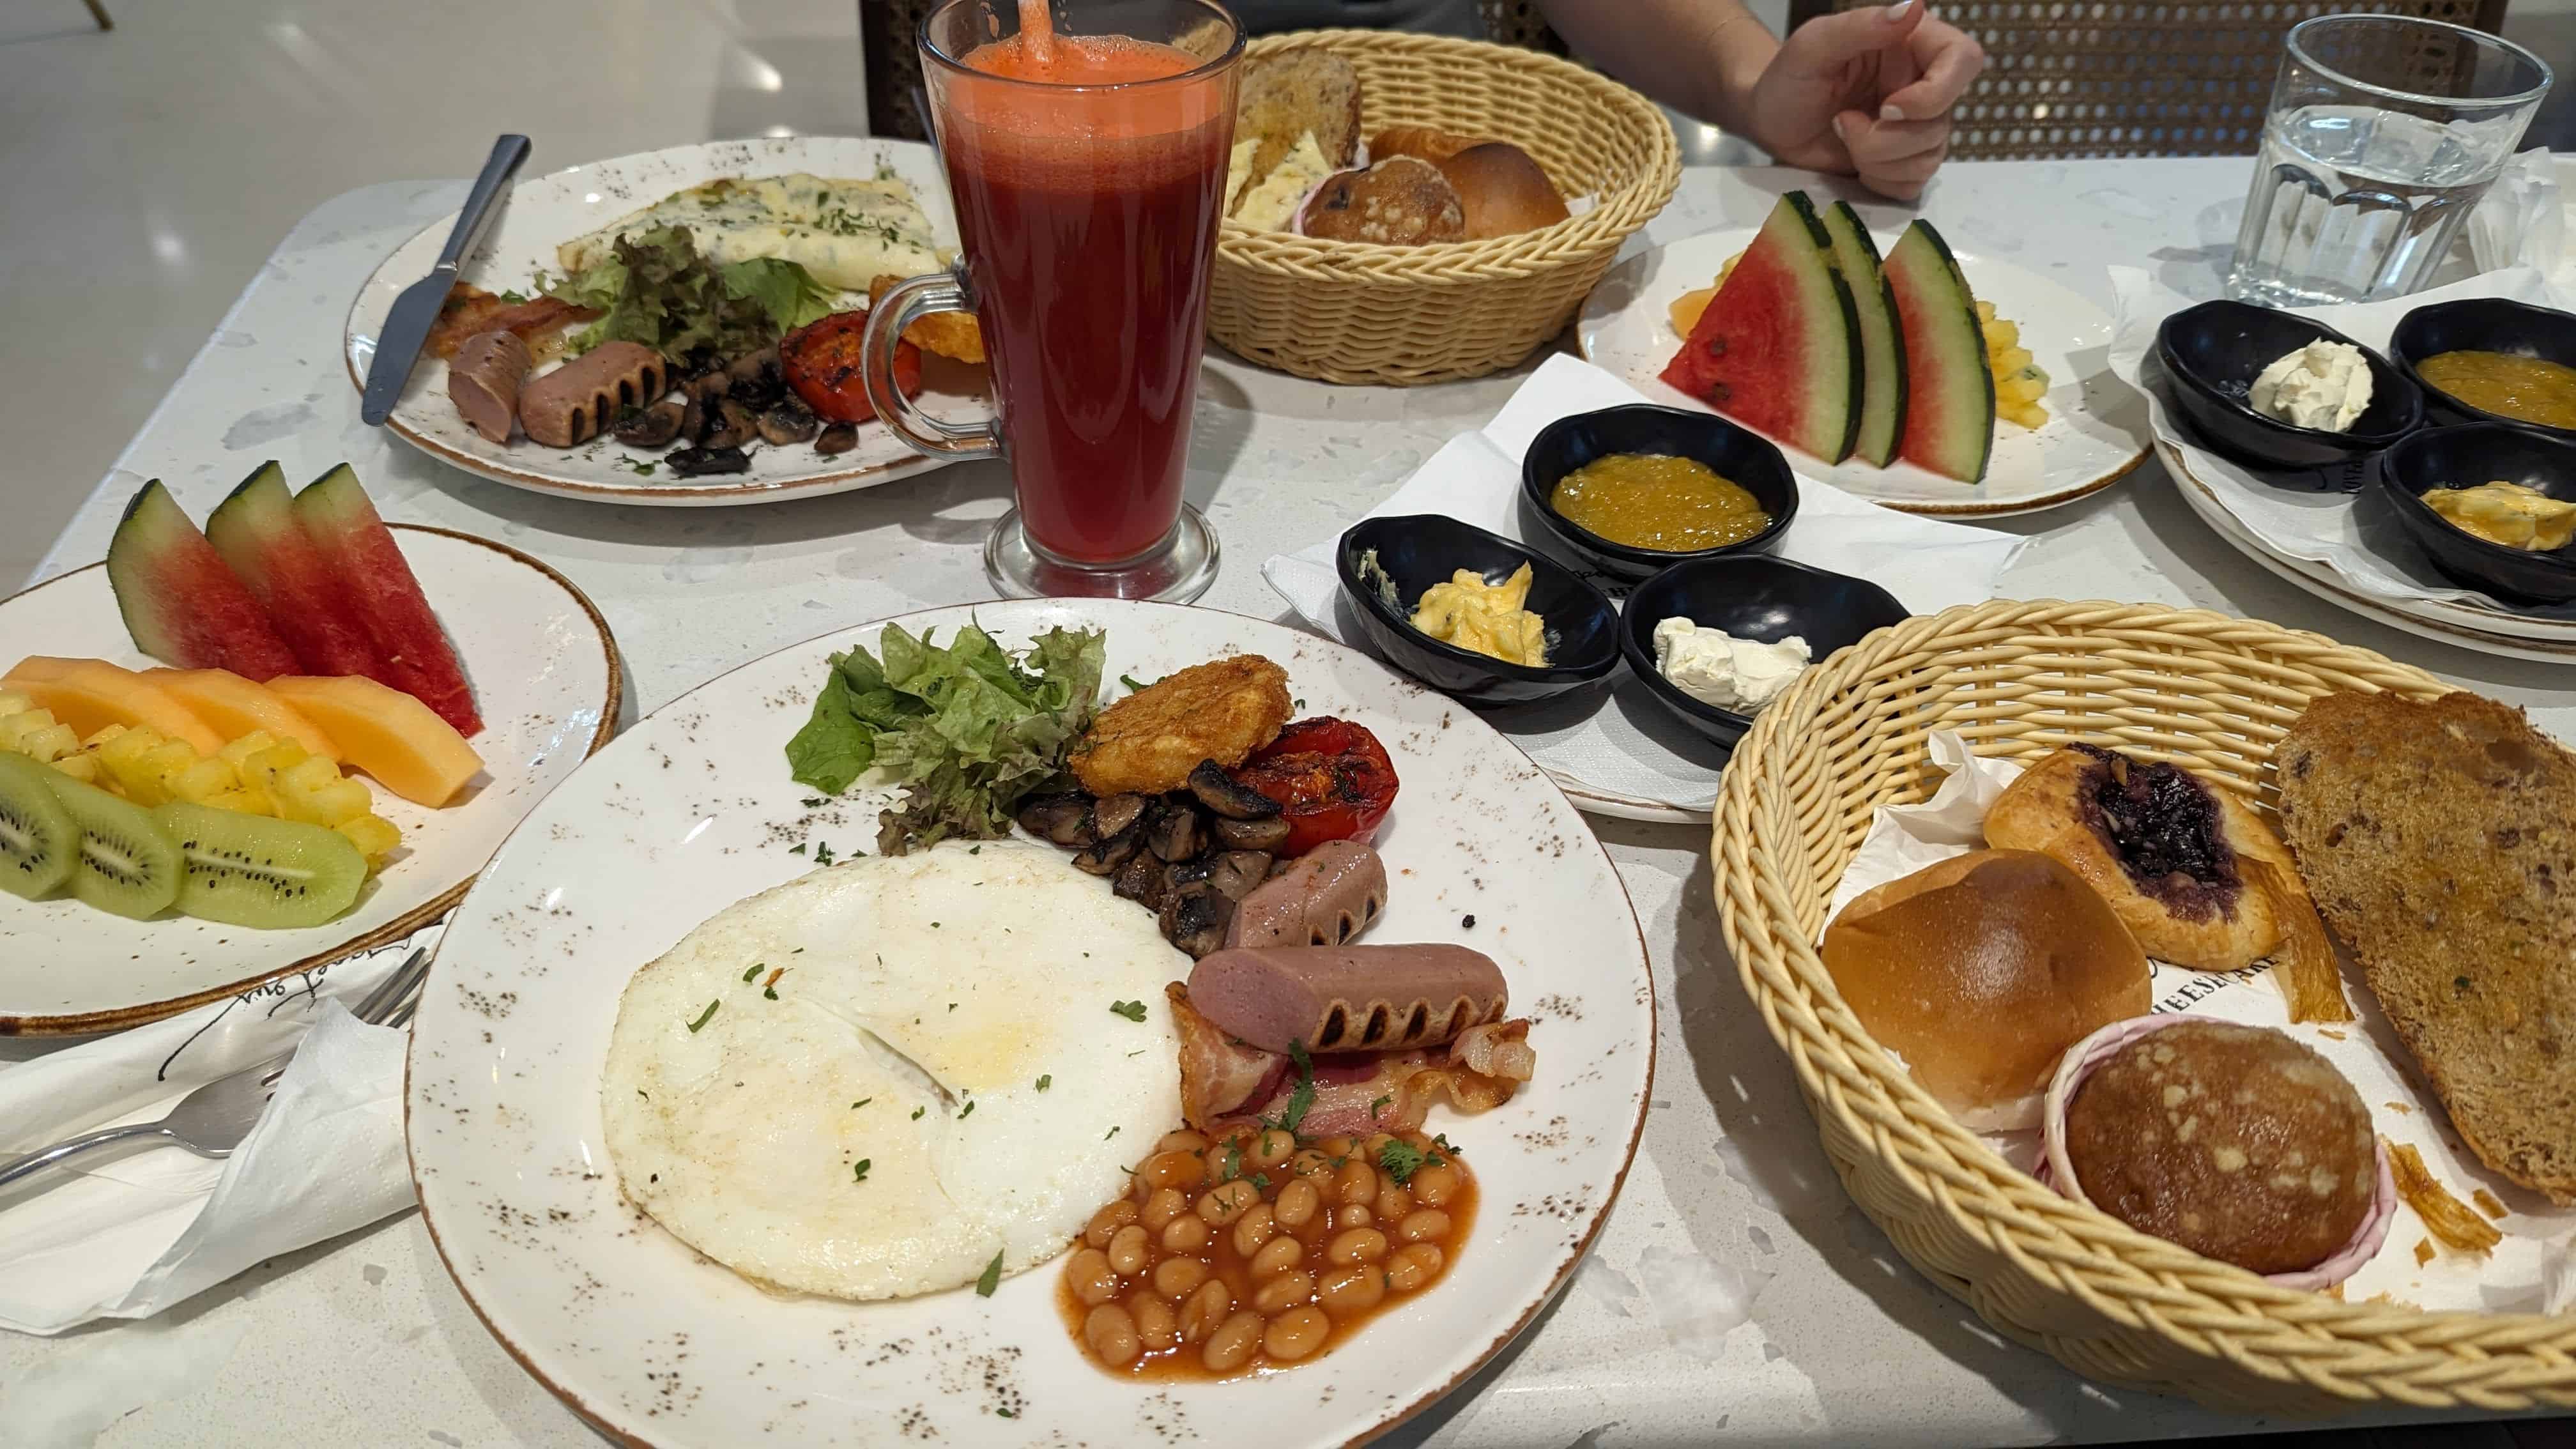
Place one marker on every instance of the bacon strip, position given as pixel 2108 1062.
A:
pixel 470 310
pixel 1226 1084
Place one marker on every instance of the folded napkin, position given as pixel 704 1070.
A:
pixel 130 1231
pixel 1619 743
pixel 2522 222
pixel 2349 533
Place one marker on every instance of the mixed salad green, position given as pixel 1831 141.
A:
pixel 655 288
pixel 968 729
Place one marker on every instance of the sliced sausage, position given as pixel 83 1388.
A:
pixel 483 381
pixel 1348 998
pixel 570 405
pixel 1326 897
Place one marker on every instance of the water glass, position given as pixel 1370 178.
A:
pixel 2382 134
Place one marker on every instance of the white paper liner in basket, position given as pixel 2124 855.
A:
pixel 2057 1170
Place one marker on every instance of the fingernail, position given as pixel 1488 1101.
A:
pixel 1842 130
pixel 1889 112
pixel 1897 12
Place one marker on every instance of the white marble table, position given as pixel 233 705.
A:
pixel 363 1340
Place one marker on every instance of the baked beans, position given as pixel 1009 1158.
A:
pixel 1259 1250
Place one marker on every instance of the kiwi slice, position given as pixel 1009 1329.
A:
pixel 251 870
pixel 127 865
pixel 38 842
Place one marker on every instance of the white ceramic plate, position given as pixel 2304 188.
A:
pixel 546 677
pixel 2489 631
pixel 545 213
pixel 2097 425
pixel 692 809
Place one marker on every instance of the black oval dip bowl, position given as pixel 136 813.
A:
pixel 1739 455
pixel 2480 324
pixel 2465 457
pixel 1755 597
pixel 2213 353
pixel 1412 552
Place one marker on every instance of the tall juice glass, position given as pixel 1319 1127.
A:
pixel 1086 152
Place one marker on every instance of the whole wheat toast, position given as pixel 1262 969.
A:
pixel 1289 94
pixel 2439 840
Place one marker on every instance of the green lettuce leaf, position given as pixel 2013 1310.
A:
pixel 654 288
pixel 782 289
pixel 968 728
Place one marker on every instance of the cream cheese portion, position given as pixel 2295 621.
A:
pixel 2322 385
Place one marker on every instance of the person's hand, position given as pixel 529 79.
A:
pixel 1867 92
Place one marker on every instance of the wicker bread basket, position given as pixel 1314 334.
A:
pixel 1356 312
pixel 2214 694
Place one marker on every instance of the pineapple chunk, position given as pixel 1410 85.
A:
pixel 14 701
pixel 105 733
pixel 245 747
pixel 83 766
pixel 374 836
pixel 2020 382
pixel 17 724
pixel 45 746
pixel 200 780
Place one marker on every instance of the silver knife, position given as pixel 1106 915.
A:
pixel 398 342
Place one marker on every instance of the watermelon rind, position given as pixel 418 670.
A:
pixel 1778 348
pixel 1882 371
pixel 1950 392
pixel 413 652
pixel 180 601
pixel 254 528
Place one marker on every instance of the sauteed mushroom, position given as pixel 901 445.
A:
pixel 1172 829
pixel 654 427
pixel 788 421
pixel 1064 819
pixel 1112 814
pixel 836 439
pixel 1267 834
pixel 1194 918
pixel 739 426
pixel 699 462
pixel 1226 799
pixel 1106 855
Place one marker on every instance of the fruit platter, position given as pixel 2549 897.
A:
pixel 234 753
pixel 1921 377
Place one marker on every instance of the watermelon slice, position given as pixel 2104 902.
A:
pixel 180 602
pixel 1779 347
pixel 413 654
pixel 1950 392
pixel 255 531
pixel 1882 372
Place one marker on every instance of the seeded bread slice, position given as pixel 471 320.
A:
pixel 2439 840
pixel 1284 96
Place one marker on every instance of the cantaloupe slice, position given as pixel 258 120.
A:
pixel 387 733
pixel 236 707
pixel 91 694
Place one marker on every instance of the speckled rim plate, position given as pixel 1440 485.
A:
pixel 692 809
pixel 2440 620
pixel 2097 428
pixel 546 675
pixel 548 211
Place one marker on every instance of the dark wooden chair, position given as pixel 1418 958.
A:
pixel 2069 78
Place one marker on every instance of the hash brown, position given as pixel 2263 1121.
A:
pixel 1149 742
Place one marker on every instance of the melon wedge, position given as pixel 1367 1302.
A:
pixel 255 531
pixel 91 694
pixel 413 654
pixel 237 707
pixel 1779 348
pixel 1950 391
pixel 181 603
pixel 1882 349
pixel 387 733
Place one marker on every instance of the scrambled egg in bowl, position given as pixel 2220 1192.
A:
pixel 1491 619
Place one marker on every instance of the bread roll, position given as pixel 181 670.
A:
pixel 1423 143
pixel 1502 190
pixel 1980 972
pixel 1397 202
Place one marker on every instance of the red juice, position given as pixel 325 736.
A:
pixel 1089 174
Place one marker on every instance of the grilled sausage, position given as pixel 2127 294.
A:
pixel 483 381
pixel 1326 897
pixel 1348 998
pixel 571 404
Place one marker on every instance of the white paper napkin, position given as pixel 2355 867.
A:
pixel 1619 742
pixel 130 1232
pixel 2527 1272
pixel 2349 533
pixel 2522 221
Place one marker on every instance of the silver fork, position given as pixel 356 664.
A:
pixel 212 1120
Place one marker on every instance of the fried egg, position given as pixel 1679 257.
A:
pixel 877 1079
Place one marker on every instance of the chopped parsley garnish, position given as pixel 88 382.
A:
pixel 1401 1159
pixel 1261 1181
pixel 1233 1161
pixel 863 1101
pixel 769 992
pixel 969 1111
pixel 859 1169
pixel 704 1017
pixel 1303 1097
pixel 992 1278
pixel 822 852
pixel 754 971
pixel 810 801
pixel 1378 1106
pixel 917 1111
pixel 1132 1010
pixel 1112 1132
pixel 970 850
pixel 797 849
pixel 1129 680
pixel 1004 1414
pixel 1046 1081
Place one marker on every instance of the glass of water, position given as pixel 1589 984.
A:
pixel 2382 134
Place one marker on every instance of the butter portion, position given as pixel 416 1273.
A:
pixel 1271 203
pixel 2322 385
pixel 1714 667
